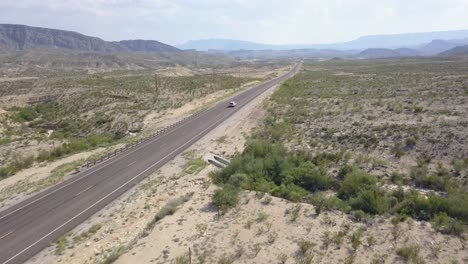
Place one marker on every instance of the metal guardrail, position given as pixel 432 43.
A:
pixel 129 146
pixel 138 142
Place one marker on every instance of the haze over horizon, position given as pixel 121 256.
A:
pixel 269 22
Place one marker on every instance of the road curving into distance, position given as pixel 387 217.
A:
pixel 33 224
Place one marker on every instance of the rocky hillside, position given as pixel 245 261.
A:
pixel 20 37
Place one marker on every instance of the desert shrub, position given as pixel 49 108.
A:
pixel 354 183
pixel 168 209
pixel 424 158
pixel 422 208
pixel 410 142
pixel 328 203
pixel 305 247
pixel 61 245
pixel 457 201
pixel 291 192
pixel 239 180
pixel 370 201
pixel 418 109
pixel 356 239
pixel 447 225
pixel 226 197
pixel 359 215
pixel 24 114
pixel 345 170
pixel 311 177
pixel 438 180
pixel 410 253
pixel 397 150
pixel 458 166
pixel 397 178
pixel 269 167
pixel 183 259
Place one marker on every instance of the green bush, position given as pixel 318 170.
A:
pixel 360 215
pixel 345 170
pixel 328 203
pixel 290 191
pixel 311 177
pixel 225 198
pixel 370 201
pixel 457 201
pixel 355 182
pixel 422 208
pixel 447 225
pixel 25 114
pixel 410 252
pixel 438 180
pixel 268 167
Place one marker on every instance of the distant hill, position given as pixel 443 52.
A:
pixel 20 37
pixel 406 52
pixel 407 40
pixel 402 40
pixel 293 53
pixel 378 53
pixel 223 44
pixel 145 46
pixel 437 46
pixel 461 51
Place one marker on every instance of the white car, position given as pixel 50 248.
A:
pixel 232 104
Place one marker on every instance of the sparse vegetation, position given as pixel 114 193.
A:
pixel 87 111
pixel 410 253
pixel 168 209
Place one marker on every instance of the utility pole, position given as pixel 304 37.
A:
pixel 156 84
pixel 212 78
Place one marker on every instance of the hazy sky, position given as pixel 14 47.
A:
pixel 267 21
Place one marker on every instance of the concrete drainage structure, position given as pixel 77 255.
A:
pixel 216 160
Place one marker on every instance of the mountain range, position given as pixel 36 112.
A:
pixel 408 40
pixel 20 37
pixel 446 43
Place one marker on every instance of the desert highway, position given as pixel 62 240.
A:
pixel 33 224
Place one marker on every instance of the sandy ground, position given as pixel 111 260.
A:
pixel 257 232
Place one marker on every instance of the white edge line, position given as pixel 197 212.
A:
pixel 89 173
pixel 109 194
pixel 7 234
pixel 119 158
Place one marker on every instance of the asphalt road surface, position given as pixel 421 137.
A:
pixel 28 227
